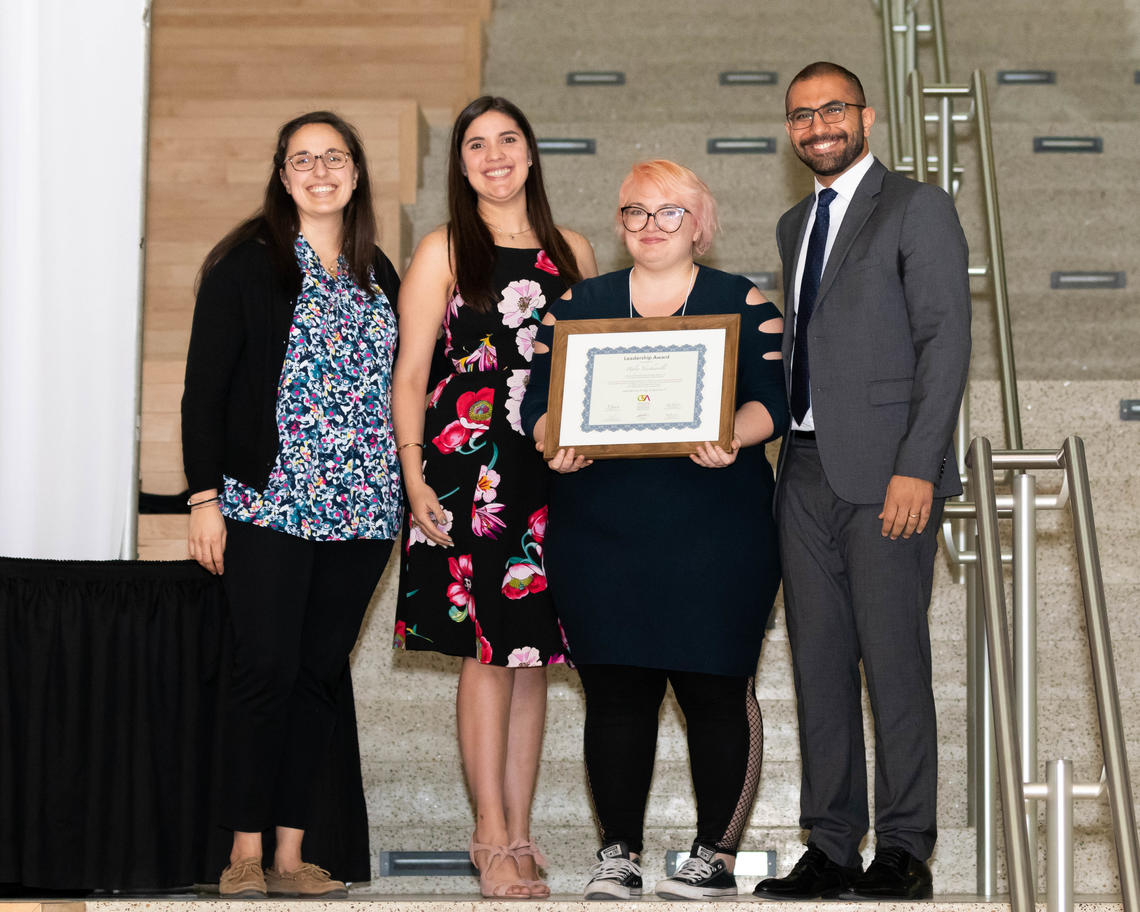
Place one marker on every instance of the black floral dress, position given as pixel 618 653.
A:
pixel 486 597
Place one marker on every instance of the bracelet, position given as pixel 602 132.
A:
pixel 406 445
pixel 217 498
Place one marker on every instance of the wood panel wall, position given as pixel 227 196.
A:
pixel 224 76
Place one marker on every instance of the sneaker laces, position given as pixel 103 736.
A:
pixel 615 869
pixel 693 870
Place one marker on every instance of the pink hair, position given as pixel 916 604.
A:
pixel 683 187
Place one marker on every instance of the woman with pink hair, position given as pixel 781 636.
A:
pixel 664 569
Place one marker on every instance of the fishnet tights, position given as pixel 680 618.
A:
pixel 726 746
pixel 729 842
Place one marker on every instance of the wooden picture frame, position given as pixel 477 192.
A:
pixel 605 373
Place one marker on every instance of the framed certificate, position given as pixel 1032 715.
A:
pixel 655 386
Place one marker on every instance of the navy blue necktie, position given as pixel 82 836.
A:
pixel 805 303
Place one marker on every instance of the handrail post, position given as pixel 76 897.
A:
pixel 942 65
pixel 910 37
pixel 1021 888
pixel 1025 639
pixel 898 53
pixel 1059 817
pixel 1104 675
pixel 963 537
pixel 946 145
pixel 973 683
pixel 917 123
pixel 894 108
pixel 1010 410
pixel 982 799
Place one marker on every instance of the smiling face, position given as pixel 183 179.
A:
pixel 652 248
pixel 494 157
pixel 828 149
pixel 323 192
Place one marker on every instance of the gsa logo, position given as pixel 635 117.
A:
pixel 644 397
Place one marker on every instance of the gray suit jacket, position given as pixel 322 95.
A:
pixel 889 336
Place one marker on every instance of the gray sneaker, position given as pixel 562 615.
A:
pixel 701 876
pixel 615 876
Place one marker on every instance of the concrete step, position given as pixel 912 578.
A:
pixel 1092 192
pixel 1059 211
pixel 1033 32
pixel 405 701
pixel 571 850
pixel 385 898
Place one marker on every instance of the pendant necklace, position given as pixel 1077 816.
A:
pixel 508 234
pixel 684 303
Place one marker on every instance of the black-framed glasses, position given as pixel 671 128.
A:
pixel 831 113
pixel 307 161
pixel 667 218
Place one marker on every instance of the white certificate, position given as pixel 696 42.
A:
pixel 642 387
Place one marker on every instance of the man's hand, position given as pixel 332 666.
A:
pixel 906 508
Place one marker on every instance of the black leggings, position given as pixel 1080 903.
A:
pixel 296 608
pixel 726 746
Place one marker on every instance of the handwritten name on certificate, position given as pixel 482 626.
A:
pixel 651 387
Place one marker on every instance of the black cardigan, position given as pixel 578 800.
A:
pixel 240 333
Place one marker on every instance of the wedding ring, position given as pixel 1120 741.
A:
pixel 914 515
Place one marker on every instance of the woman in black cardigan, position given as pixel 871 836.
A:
pixel 289 453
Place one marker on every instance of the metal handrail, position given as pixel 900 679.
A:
pixel 989 669
pixel 1015 786
pixel 907 122
pixel 907 97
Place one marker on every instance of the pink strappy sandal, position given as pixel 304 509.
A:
pixel 499 890
pixel 520 848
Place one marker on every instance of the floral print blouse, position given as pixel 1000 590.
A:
pixel 337 476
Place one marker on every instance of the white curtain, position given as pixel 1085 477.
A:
pixel 72 132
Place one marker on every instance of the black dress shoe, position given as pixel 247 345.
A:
pixel 814 876
pixel 894 874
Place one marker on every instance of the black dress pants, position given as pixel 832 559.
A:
pixel 726 746
pixel 296 608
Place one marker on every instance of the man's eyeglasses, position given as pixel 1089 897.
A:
pixel 831 113
pixel 667 218
pixel 307 161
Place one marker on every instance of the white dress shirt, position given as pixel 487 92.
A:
pixel 844 186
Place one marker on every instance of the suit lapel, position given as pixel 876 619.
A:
pixel 862 204
pixel 792 242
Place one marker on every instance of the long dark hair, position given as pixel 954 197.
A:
pixel 469 236
pixel 276 223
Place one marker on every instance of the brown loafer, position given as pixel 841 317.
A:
pixel 307 880
pixel 243 879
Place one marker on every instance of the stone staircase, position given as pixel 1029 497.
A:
pixel 1077 355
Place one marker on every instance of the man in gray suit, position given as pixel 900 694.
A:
pixel 876 351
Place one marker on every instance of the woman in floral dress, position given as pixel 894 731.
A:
pixel 472 583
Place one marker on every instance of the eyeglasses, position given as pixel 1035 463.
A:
pixel 667 218
pixel 307 161
pixel 831 113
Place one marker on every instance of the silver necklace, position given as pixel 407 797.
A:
pixel 688 291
